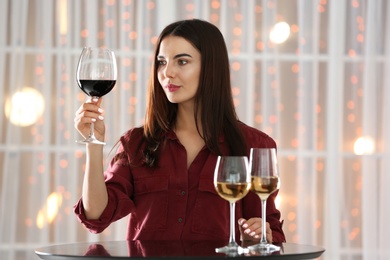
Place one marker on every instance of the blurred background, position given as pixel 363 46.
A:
pixel 313 74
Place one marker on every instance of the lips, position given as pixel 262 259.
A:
pixel 172 87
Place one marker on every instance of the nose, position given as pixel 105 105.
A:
pixel 169 71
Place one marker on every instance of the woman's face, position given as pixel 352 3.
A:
pixel 178 70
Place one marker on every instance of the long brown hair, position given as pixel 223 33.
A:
pixel 213 100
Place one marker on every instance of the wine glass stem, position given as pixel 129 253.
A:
pixel 92 127
pixel 92 131
pixel 232 239
pixel 263 239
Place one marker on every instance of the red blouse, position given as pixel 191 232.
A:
pixel 172 202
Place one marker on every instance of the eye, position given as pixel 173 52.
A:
pixel 161 62
pixel 182 62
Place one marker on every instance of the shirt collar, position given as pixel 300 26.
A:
pixel 172 135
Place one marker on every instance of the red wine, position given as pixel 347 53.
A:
pixel 96 88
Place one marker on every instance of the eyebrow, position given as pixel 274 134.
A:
pixel 176 56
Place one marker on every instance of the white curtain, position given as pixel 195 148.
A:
pixel 323 94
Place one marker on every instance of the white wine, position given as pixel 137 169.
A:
pixel 232 191
pixel 264 186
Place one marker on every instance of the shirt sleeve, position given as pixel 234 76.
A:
pixel 119 188
pixel 273 218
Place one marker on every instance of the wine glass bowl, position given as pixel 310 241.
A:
pixel 96 88
pixel 264 186
pixel 232 192
pixel 232 182
pixel 96 76
pixel 263 166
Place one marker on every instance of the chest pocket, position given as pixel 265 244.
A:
pixel 207 185
pixel 151 202
pixel 150 184
pixel 211 212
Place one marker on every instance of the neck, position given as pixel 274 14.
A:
pixel 185 120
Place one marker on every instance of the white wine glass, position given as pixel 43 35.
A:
pixel 232 181
pixel 96 76
pixel 263 166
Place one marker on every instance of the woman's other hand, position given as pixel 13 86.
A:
pixel 251 229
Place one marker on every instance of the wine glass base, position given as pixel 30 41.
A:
pixel 90 141
pixel 232 249
pixel 264 248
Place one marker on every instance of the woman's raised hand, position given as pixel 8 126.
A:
pixel 89 112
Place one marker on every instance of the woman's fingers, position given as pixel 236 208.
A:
pixel 252 229
pixel 89 112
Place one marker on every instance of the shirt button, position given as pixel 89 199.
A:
pixel 180 220
pixel 183 193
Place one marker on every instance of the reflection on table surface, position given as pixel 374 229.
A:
pixel 164 249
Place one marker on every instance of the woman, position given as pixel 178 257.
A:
pixel 162 173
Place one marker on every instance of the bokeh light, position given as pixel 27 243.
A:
pixel 49 211
pixel 364 145
pixel 279 32
pixel 24 107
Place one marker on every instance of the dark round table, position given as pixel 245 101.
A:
pixel 167 250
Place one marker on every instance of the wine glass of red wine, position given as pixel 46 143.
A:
pixel 96 76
